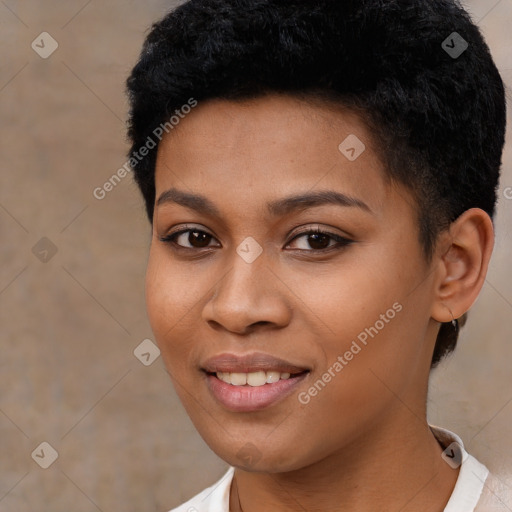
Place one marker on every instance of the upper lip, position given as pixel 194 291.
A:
pixel 249 363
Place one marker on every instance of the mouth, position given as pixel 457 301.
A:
pixel 247 383
pixel 255 379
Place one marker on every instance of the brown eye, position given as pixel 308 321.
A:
pixel 200 238
pixel 189 239
pixel 316 240
pixel 319 241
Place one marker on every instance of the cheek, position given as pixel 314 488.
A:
pixel 171 299
pixel 373 363
pixel 371 327
pixel 358 295
pixel 160 294
pixel 360 384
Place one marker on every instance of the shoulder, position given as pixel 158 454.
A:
pixel 212 499
pixel 496 494
pixel 476 489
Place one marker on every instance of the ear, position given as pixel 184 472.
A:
pixel 462 258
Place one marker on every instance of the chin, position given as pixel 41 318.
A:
pixel 250 457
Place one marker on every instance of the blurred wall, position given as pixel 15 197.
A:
pixel 72 281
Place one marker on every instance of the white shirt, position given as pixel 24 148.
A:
pixel 467 495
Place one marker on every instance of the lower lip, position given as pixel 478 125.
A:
pixel 251 398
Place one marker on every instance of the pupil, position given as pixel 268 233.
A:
pixel 315 241
pixel 200 238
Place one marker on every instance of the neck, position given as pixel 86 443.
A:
pixel 396 466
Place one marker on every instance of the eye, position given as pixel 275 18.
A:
pixel 316 239
pixel 191 238
pixel 319 240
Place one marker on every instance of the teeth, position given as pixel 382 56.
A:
pixel 239 379
pixel 254 379
pixel 272 377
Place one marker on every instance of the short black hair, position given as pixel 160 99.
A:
pixel 418 73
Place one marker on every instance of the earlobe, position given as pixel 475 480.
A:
pixel 465 251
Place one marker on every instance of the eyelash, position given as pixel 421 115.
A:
pixel 341 241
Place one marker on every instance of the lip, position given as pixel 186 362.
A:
pixel 247 363
pixel 251 398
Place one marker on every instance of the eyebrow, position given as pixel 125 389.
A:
pixel 276 208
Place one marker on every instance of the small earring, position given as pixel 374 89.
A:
pixel 455 322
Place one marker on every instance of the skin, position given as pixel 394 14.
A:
pixel 363 442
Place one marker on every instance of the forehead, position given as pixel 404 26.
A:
pixel 271 146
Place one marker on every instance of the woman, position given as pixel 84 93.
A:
pixel 320 178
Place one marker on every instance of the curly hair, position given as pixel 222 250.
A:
pixel 437 116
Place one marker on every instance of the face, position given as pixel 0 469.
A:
pixel 286 286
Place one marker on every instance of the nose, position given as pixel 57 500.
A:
pixel 249 296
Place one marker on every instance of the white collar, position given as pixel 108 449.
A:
pixel 464 498
pixel 472 475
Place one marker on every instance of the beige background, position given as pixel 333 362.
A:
pixel 68 375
